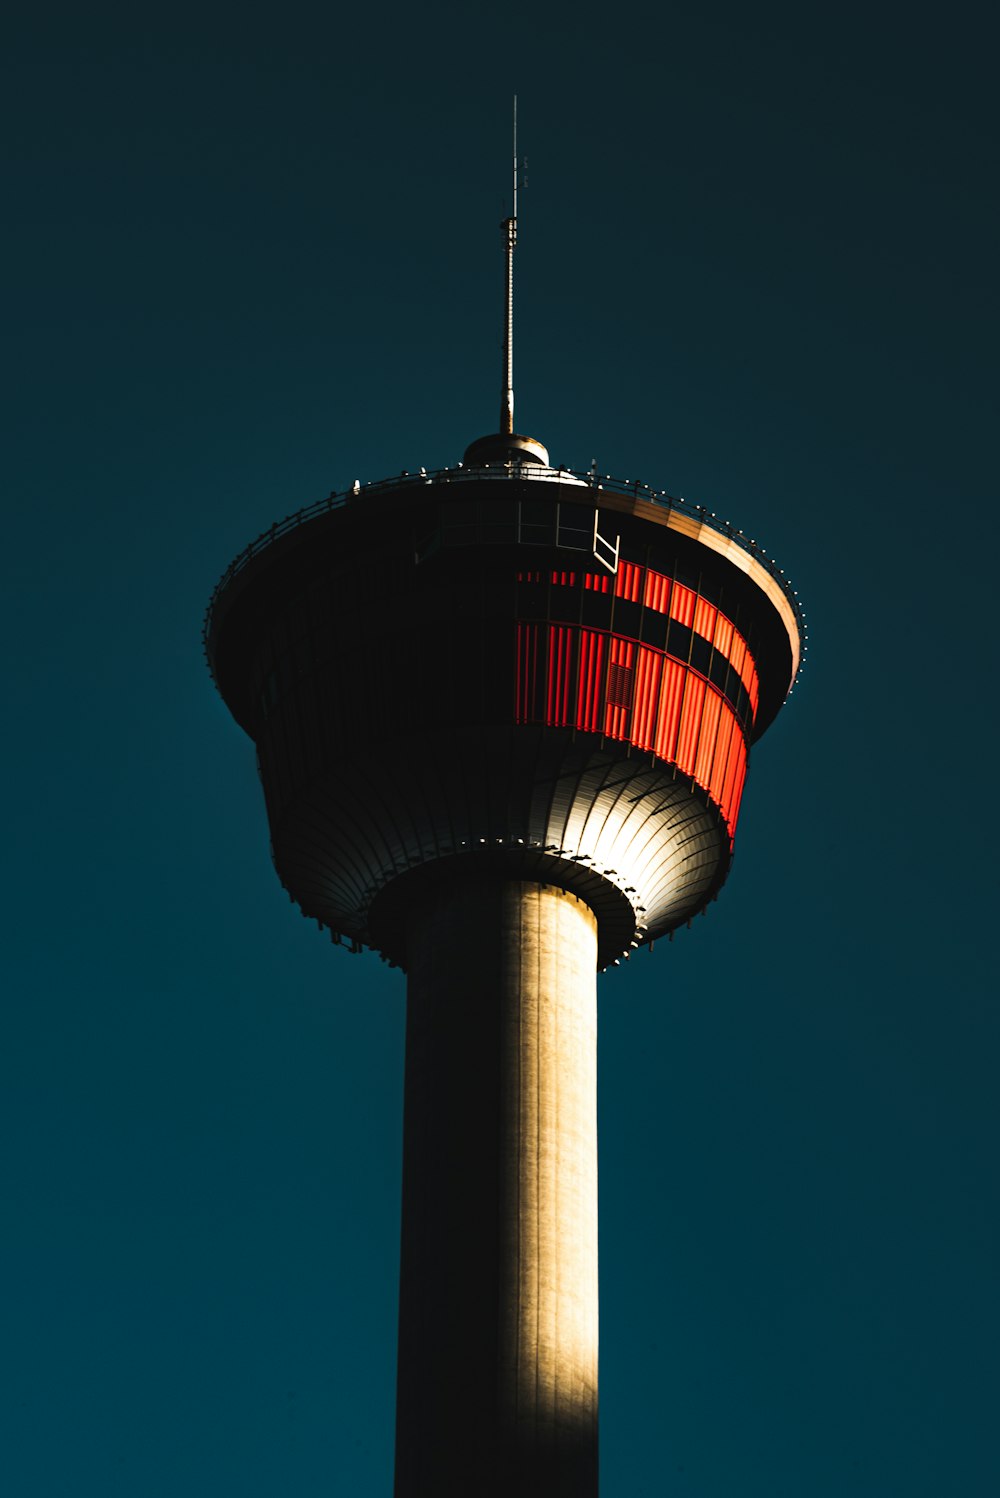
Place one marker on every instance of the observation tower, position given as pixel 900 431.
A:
pixel 502 714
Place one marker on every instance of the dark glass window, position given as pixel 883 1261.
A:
pixel 498 519
pixel 576 527
pixel 654 628
pixel 538 521
pixel 679 640
pixel 701 654
pixel 719 671
pixel 596 609
pixel 532 600
pixel 564 605
pixel 627 618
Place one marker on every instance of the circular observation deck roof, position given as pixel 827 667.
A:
pixel 520 460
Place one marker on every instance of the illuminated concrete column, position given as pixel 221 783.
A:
pixel 498 1294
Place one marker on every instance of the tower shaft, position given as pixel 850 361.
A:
pixel 498 1295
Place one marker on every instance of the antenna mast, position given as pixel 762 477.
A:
pixel 509 227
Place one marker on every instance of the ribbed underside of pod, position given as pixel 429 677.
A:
pixel 643 845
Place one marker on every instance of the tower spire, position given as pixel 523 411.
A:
pixel 509 227
pixel 505 446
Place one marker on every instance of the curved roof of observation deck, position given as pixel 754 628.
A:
pixel 631 496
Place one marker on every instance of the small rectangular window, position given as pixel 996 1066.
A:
pixel 576 526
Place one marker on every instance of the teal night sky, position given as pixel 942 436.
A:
pixel 251 254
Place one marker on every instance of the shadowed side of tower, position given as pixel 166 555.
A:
pixel 498 1289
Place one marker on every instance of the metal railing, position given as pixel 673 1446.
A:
pixel 598 482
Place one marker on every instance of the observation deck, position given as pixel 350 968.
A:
pixel 510 666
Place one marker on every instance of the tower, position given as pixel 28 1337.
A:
pixel 502 714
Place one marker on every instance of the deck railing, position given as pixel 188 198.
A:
pixel 598 482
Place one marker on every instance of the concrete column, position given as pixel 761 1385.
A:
pixel 497 1383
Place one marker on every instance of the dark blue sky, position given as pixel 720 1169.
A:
pixel 252 254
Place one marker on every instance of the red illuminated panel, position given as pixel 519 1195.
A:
pixel 671 695
pixel 735 776
pixel 724 632
pixel 563 579
pixel 561 643
pixel 590 685
pixel 621 672
pixel 682 602
pixel 723 743
pixel 687 737
pixel 732 812
pixel 751 685
pixel 608 684
pixel 648 669
pixel 628 581
pixel 600 584
pixel 704 618
pixel 735 770
pixel 707 735
pixel 526 672
pixel 657 592
pixel 742 662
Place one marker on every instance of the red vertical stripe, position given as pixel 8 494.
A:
pixel 628 581
pixel 671 693
pixel 590 689
pixel 566 643
pixel 562 679
pixel 647 693
pixel 737 761
pixel 727 725
pixel 617 715
pixel 527 672
pixel 582 678
pixel 657 592
pixel 738 793
pixel 518 671
pixel 687 737
pixel 682 605
pixel 723 635
pixel 560 657
pixel 707 736
pixel 704 618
